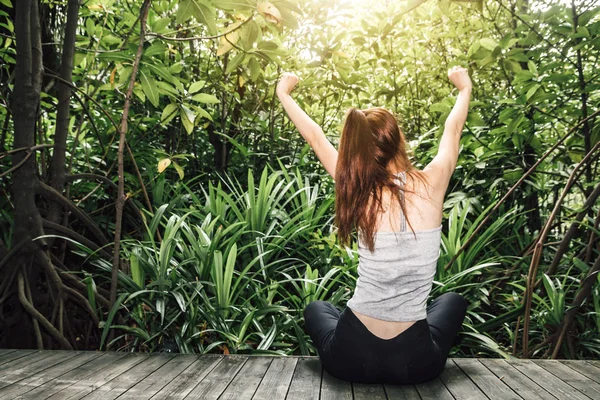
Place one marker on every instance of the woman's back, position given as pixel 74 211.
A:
pixel 424 200
pixel 421 248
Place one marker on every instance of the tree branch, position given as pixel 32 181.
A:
pixel 56 196
pixel 71 234
pixel 514 187
pixel 537 253
pixel 178 39
pixel 122 133
pixel 582 294
pixel 39 317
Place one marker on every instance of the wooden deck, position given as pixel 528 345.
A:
pixel 31 374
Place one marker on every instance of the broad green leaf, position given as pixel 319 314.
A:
pixel 166 89
pixel 196 86
pixel 136 271
pixel 532 91
pixel 160 25
pixel 235 62
pixel 159 70
pixel 488 43
pixel 532 67
pixel 205 98
pixel 149 88
pixel 169 112
pixel 90 27
pixel 201 10
pixel 91 290
pixel 176 68
pixel 180 172
pixel 187 118
pixel 582 32
pixel 117 56
pixel 111 315
pixel 203 113
pixel 156 48
pixel 249 34
pixel 139 93
pixel 179 298
pixel 161 308
pixel 512 65
pixel 254 68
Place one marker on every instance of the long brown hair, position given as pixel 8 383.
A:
pixel 371 141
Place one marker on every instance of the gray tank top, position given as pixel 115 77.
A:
pixel 395 280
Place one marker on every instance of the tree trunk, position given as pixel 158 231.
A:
pixel 27 219
pixel 58 165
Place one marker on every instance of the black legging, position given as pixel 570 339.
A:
pixel 349 351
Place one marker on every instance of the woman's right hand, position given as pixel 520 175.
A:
pixel 459 76
pixel 287 83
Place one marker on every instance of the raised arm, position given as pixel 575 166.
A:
pixel 308 128
pixel 442 166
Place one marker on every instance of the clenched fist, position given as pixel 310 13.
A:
pixel 459 76
pixel 287 83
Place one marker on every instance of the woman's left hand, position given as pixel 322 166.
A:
pixel 287 83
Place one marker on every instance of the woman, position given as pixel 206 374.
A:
pixel 387 333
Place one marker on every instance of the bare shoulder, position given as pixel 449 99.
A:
pixel 425 183
pixel 437 178
pixel 427 199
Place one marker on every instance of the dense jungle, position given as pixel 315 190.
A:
pixel 154 196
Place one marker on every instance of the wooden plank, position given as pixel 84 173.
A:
pixel 217 380
pixel 32 374
pixel 247 380
pixel 6 351
pixel 584 368
pixel 570 376
pixel 334 388
pixel 521 384
pixel 306 382
pixel 56 385
pixel 38 379
pixel 14 355
pixel 276 381
pixel 489 383
pixel 158 379
pixel 116 387
pixel 21 362
pixel 362 391
pixel 47 359
pixel 595 363
pixel 101 377
pixel 459 384
pixel 547 380
pixel 402 392
pixel 183 384
pixel 433 390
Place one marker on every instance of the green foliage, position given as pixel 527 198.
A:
pixel 227 256
pixel 229 274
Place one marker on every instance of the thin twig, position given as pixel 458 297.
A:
pixel 537 253
pixel 122 132
pixel 178 39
